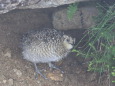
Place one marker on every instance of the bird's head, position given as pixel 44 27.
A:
pixel 68 42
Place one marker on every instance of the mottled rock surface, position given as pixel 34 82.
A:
pixel 7 5
pixel 61 21
pixel 82 19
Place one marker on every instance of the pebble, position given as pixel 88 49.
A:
pixel 7 53
pixel 18 72
pixel 4 81
pixel 38 82
pixel 2 77
pixel 55 76
pixel 10 82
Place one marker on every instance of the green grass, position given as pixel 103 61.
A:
pixel 100 46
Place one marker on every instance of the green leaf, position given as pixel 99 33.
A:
pixel 71 10
pixel 74 50
pixel 113 81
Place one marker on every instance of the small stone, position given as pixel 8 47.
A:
pixel 7 53
pixel 4 81
pixel 10 82
pixel 38 82
pixel 55 76
pixel 18 72
pixel 2 77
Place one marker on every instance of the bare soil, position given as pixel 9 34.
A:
pixel 15 71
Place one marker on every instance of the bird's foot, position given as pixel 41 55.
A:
pixel 38 72
pixel 54 67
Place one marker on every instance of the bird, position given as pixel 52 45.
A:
pixel 46 45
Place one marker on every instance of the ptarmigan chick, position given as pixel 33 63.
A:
pixel 46 46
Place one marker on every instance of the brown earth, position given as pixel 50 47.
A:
pixel 14 71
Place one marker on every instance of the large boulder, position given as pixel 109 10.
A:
pixel 82 19
pixel 7 5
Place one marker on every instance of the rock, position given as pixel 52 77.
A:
pixel 87 16
pixel 7 53
pixel 47 3
pixel 60 20
pixel 8 5
pixel 18 72
pixel 55 76
pixel 4 81
pixel 83 18
pixel 2 77
pixel 10 82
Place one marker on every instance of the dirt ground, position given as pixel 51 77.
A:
pixel 15 71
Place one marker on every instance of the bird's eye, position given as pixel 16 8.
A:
pixel 68 40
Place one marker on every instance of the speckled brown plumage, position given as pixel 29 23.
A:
pixel 46 46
